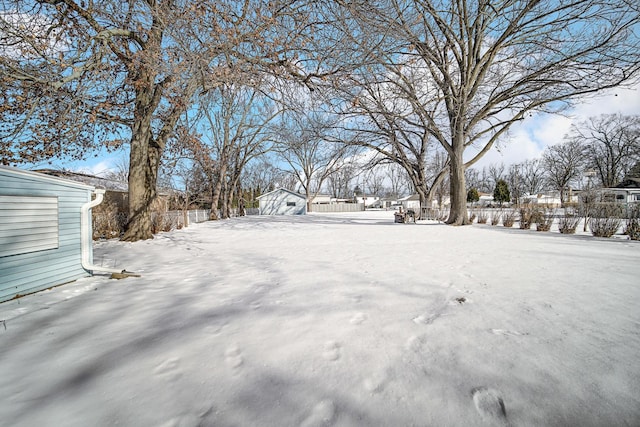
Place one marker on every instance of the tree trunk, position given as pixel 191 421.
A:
pixel 228 201
pixel 436 183
pixel 422 194
pixel 144 159
pixel 217 191
pixel 308 195
pixel 458 213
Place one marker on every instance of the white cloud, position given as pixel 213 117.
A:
pixel 101 168
pixel 529 139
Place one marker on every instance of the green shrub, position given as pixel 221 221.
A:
pixel 473 195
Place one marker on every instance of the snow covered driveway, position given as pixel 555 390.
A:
pixel 335 319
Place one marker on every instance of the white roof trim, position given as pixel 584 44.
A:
pixel 282 189
pixel 46 178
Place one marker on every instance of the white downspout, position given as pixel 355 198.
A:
pixel 85 235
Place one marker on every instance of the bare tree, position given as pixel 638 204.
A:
pixel 486 64
pixel 515 182
pixel 612 145
pixel 496 172
pixel 261 175
pixel 304 140
pixel 383 116
pixel 473 179
pixel 339 181
pixel 532 176
pixel 375 181
pixel 436 169
pixel 235 130
pixel 563 164
pixel 120 171
pixel 82 73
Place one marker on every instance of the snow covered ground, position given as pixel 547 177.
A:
pixel 334 319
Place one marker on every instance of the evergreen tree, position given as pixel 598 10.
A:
pixel 501 192
pixel 472 195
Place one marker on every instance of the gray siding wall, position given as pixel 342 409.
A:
pixel 282 203
pixel 25 268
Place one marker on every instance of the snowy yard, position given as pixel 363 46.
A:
pixel 334 319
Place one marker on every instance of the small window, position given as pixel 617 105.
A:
pixel 291 203
pixel 637 197
pixel 620 197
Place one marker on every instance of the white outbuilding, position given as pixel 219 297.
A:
pixel 282 202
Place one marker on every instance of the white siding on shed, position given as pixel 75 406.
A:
pixel 282 202
pixel 26 268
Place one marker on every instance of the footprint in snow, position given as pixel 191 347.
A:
pixel 169 369
pixel 506 332
pixel 490 405
pixel 331 350
pixel 425 319
pixel 321 415
pixel 233 357
pixel 376 382
pixel 192 419
pixel 413 343
pixel 214 329
pixel 358 318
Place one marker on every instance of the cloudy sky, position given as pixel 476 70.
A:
pixel 528 139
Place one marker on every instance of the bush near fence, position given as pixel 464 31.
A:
pixel 108 223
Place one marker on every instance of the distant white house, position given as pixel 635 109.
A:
pixel 626 195
pixel 282 202
pixel 548 200
pixel 628 191
pixel 368 201
pixel 388 202
pixel 551 199
pixel 323 199
pixel 411 202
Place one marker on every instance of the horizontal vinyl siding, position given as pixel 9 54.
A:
pixel 26 273
pixel 40 271
pixel 275 203
pixel 28 224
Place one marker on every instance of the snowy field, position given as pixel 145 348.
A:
pixel 334 319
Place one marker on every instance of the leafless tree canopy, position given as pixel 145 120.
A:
pixel 402 74
pixel 477 67
pixel 564 164
pixel 78 74
pixel 611 143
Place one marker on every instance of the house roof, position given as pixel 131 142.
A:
pixel 277 190
pixel 47 177
pixel 629 183
pixel 95 181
